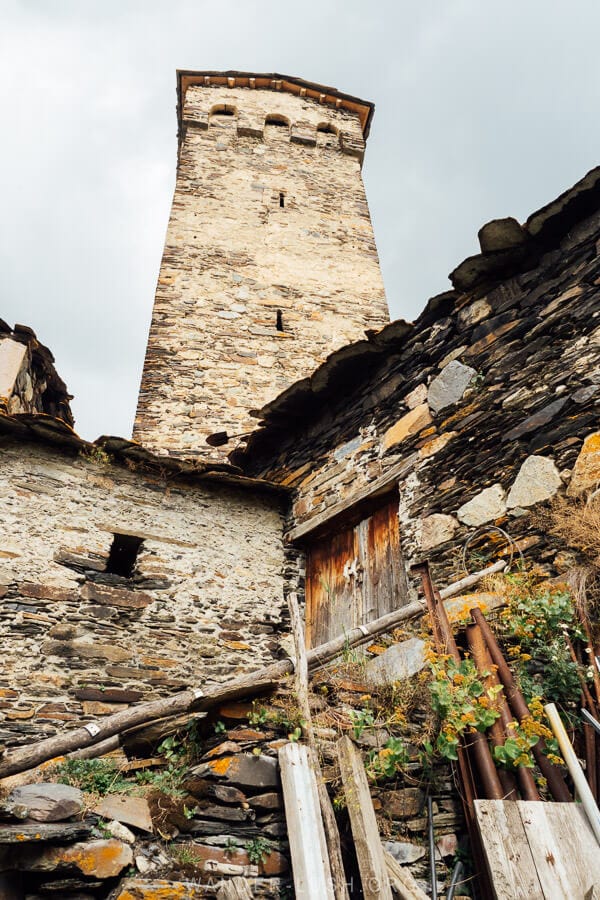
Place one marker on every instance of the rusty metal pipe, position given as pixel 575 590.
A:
pixel 556 782
pixel 500 730
pixel 478 743
pixel 497 730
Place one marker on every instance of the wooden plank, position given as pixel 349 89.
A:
pixel 563 847
pixel 329 822
pixel 308 848
pixel 235 889
pixel 369 851
pixel 403 883
pixel 508 855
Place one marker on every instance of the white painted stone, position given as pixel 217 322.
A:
pixel 449 386
pixel 436 529
pixel 538 480
pixel 399 662
pixel 12 354
pixel 485 507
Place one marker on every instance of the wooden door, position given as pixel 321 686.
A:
pixel 354 575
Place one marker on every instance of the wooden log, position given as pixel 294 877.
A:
pixel 369 851
pixel 308 847
pixel 329 821
pixel 403 883
pixel 234 889
pixel 470 580
pixel 194 699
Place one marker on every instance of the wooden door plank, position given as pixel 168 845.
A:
pixel 369 850
pixel 563 846
pixel 308 849
pixel 508 854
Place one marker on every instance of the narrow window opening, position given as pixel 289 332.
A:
pixel 279 325
pixel 123 555
pixel 281 199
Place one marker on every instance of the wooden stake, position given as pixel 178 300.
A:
pixel 329 822
pixel 369 851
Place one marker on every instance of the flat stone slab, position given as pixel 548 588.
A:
pixel 48 802
pixel 38 832
pixel 486 506
pixel 245 770
pixel 133 811
pixel 404 852
pixel 98 859
pixel 449 386
pixel 159 889
pixel 397 663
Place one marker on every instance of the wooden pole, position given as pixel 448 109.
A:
pixel 194 699
pixel 308 847
pixel 329 822
pixel 369 850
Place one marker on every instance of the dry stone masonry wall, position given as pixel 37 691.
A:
pixel 485 408
pixel 203 601
pixel 269 264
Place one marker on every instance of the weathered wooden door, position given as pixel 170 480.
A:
pixel 354 575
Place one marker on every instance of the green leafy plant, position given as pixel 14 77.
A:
pixel 95 776
pixel 461 700
pixel 361 719
pixel 258 850
pixel 388 761
pixel 219 727
pixel 168 780
pixel 183 854
pixel 259 714
pixel 231 847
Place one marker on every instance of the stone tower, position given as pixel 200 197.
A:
pixel 270 261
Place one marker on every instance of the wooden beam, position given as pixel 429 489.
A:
pixel 403 883
pixel 373 489
pixel 329 822
pixel 369 851
pixel 308 847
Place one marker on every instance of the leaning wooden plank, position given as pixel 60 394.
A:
pixel 308 848
pixel 508 855
pixel 593 893
pixel 369 851
pixel 329 823
pixel 403 883
pixel 235 889
pixel 195 698
pixel 563 847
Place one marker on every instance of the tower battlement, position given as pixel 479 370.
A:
pixel 270 261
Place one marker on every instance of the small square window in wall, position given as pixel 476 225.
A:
pixel 123 555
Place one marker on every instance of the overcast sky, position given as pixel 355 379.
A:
pixel 482 110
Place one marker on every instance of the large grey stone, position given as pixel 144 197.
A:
pixel 484 507
pixel 538 480
pixel 243 769
pixel 48 802
pixel 437 529
pixel 399 661
pixel 404 852
pixel 449 386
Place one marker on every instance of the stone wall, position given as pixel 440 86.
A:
pixel 485 407
pixel 269 263
pixel 203 602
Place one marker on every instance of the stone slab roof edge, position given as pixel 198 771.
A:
pixel 187 77
pixel 57 435
pixel 348 365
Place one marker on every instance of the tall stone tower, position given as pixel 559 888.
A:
pixel 270 261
